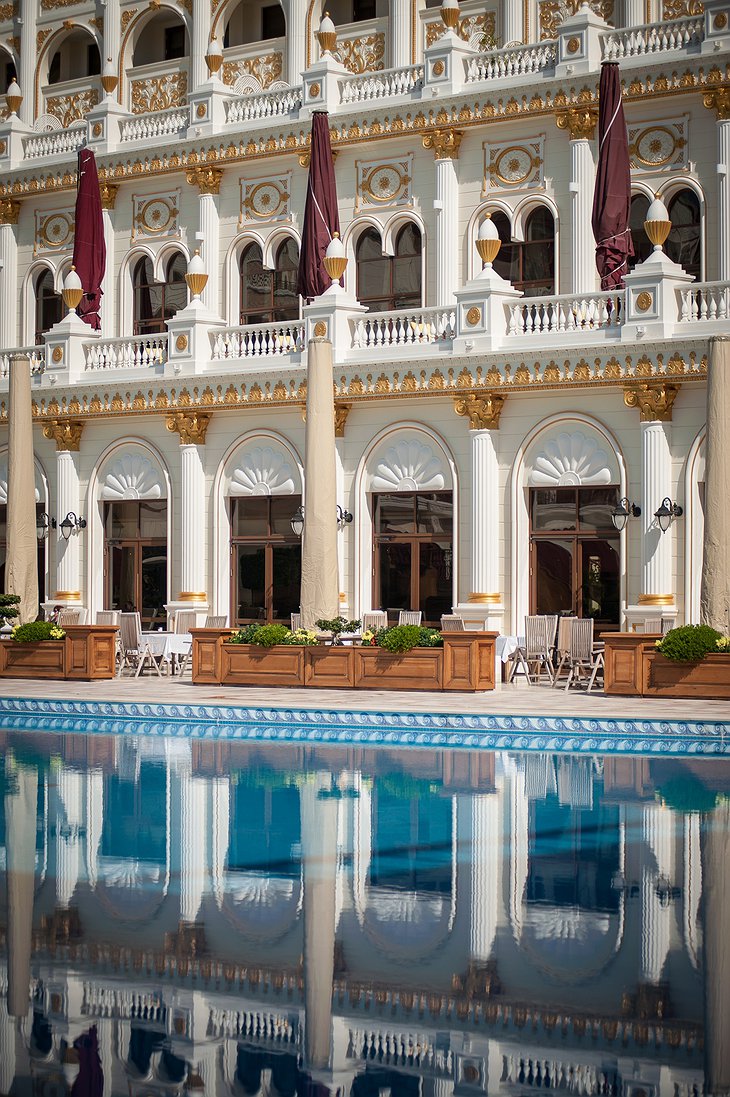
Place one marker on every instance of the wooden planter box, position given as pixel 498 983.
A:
pixel 86 652
pixel 421 668
pixel 329 667
pixel 248 665
pixel 635 668
pixel 469 661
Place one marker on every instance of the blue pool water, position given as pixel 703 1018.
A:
pixel 200 914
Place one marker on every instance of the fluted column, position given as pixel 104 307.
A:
pixel 657 872
pixel 21 798
pixel 26 76
pixel 445 145
pixel 319 869
pixel 513 22
pixel 716 906
pixel 9 212
pixel 486 860
pixel 193 833
pixel 108 193
pixel 342 410
pixel 192 429
pixel 66 433
pixel 581 125
pixel 655 404
pixel 719 101
pixel 70 800
pixel 635 13
pixel 208 182
pixel 295 14
pixel 199 44
pixel 401 46
pixel 112 27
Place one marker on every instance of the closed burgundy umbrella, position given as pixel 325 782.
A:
pixel 90 1078
pixel 89 246
pixel 612 196
pixel 321 216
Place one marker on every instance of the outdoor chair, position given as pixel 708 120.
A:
pixel 565 628
pixel 185 619
pixel 410 617
pixel 374 621
pixel 69 617
pixel 107 617
pixel 296 621
pixel 584 659
pixel 212 621
pixel 134 651
pixel 452 622
pixel 536 651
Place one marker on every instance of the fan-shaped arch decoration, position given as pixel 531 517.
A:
pixel 278 85
pixel 4 481
pixel 132 475
pixel 47 123
pixel 247 85
pixel 409 465
pixel 263 470
pixel 572 459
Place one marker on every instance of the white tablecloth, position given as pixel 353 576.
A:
pixel 505 645
pixel 166 644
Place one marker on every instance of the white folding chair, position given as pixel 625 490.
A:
pixel 410 617
pixel 374 621
pixel 107 617
pixel 452 622
pixel 539 631
pixel 582 655
pixel 565 626
pixel 212 621
pixel 135 652
pixel 296 621
pixel 69 617
pixel 185 619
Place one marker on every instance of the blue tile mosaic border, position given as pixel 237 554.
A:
pixel 370 729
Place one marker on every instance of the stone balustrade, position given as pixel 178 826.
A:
pixel 387 84
pixel 138 352
pixel 566 313
pixel 60 142
pixel 705 301
pixel 258 340
pixel 411 327
pixel 281 103
pixel 511 63
pixel 172 122
pixel 37 356
pixel 653 38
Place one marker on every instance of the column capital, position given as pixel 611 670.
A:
pixel 206 179
pixel 655 402
pixel 190 425
pixel 718 100
pixel 108 193
pixel 580 122
pixel 66 433
pixel 341 413
pixel 483 412
pixel 444 142
pixel 9 211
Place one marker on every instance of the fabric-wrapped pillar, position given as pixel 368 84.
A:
pixel 9 212
pixel 716 905
pixel 715 595
pixel 445 145
pixel 66 433
pixel 192 428
pixel 20 822
pixel 208 182
pixel 319 870
pixel 320 592
pixel 21 569
pixel 581 125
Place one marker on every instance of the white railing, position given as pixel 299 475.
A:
pixel 258 340
pixel 139 352
pixel 578 1078
pixel 567 312
pixel 265 104
pixel 104 1001
pixel 37 356
pixel 401 1049
pixel 55 143
pixel 380 85
pixel 523 61
pixel 162 123
pixel 259 1027
pixel 412 327
pixel 652 38
pixel 705 301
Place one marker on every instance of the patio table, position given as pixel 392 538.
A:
pixel 167 646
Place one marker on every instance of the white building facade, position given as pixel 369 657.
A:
pixel 487 428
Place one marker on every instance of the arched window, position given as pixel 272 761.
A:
pixel 163 38
pixel 156 302
pixel 76 58
pixel 642 245
pixel 269 295
pixel 48 305
pixel 529 264
pixel 385 282
pixel 254 21
pixel 684 241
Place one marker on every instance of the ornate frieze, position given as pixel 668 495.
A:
pixel 71 108
pixel 678 9
pixel 659 146
pixel 384 183
pixel 471 28
pixel 265 199
pixel 483 411
pixel 655 402
pixel 8 11
pixel 9 211
pixel 551 13
pixel 363 54
pixel 66 433
pixel 444 142
pixel 511 165
pixel 156 215
pixel 54 230
pixel 580 122
pixel 266 69
pixel 159 92
pixel 190 425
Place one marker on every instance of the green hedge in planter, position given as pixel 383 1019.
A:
pixel 37 630
pixel 268 636
pixel 689 643
pixel 403 638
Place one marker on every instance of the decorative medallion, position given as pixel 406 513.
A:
pixel 644 301
pixel 720 21
pixel 54 230
pixel 181 343
pixel 384 182
pixel 3 147
pixel 155 215
pixel 265 199
pixel 97 129
pixel 573 45
pixel 314 90
pixel 509 166
pixel 320 329
pixel 659 144
pixel 57 355
pixel 438 68
pixel 201 110
pixel 473 316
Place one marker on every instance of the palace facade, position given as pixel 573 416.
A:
pixel 495 435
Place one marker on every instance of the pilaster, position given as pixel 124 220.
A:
pixel 108 193
pixel 445 144
pixel 580 123
pixel 66 433
pixel 9 213
pixel 26 76
pixel 719 100
pixel 192 428
pixel 208 182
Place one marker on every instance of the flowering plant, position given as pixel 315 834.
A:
pixel 368 638
pixel 37 630
pixel 723 644
pixel 689 643
pixel 303 636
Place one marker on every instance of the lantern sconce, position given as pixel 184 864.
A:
pixel 666 512
pixel 70 523
pixel 42 525
pixel 624 510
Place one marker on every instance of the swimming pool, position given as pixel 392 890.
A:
pixel 236 916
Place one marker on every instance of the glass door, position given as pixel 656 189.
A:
pixel 413 554
pixel 266 559
pixel 136 559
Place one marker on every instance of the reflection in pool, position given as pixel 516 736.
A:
pixel 227 918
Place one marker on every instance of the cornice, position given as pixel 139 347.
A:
pixel 383 122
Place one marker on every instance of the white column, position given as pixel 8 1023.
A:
pixel 319 872
pixel 723 199
pixel 295 14
pixel 7 1047
pixel 656 557
pixel 582 181
pixel 634 13
pixel 486 528
pixel 445 144
pixel 656 919
pixel 486 884
pixel 9 211
pixel 68 834
pixel 26 76
pixel 68 552
pixel 199 44
pixel 193 832
pixel 401 48
pixel 209 222
pixel 513 23
pixel 193 522
pixel 112 26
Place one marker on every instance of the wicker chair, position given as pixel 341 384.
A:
pixel 452 622
pixel 374 621
pixel 134 652
pixel 410 617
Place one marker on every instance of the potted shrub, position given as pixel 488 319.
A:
pixel 262 655
pixel 337 625
pixel 401 657
pixel 38 650
pixel 690 661
pixel 8 608
pixel 331 666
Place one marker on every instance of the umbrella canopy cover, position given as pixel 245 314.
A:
pixel 715 590
pixel 321 216
pixel 612 196
pixel 89 246
pixel 90 1079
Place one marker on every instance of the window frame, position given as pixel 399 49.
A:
pixel 142 328
pixel 395 302
pixel 269 314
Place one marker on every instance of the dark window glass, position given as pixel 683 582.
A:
pixel 265 558
pixel 250 517
pixel 595 507
pixel 684 241
pixel 54 69
pixel 530 264
pixel 269 295
pixel 8 73
pixel 413 553
pixel 39 509
pixel 553 508
pixel 153 519
pixel 435 514
pixel 395 513
pixel 93 60
pixel 384 282
pixel 641 242
pixel 273 24
pixel 48 306
pixel 156 302
pixel 363 9
pixel 136 559
pixel 174 42
pixel 122 520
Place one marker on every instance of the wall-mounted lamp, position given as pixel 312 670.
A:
pixel 624 510
pixel 343 516
pixel 297 519
pixel 70 523
pixel 42 524
pixel 666 512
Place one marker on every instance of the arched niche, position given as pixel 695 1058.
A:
pixel 694 528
